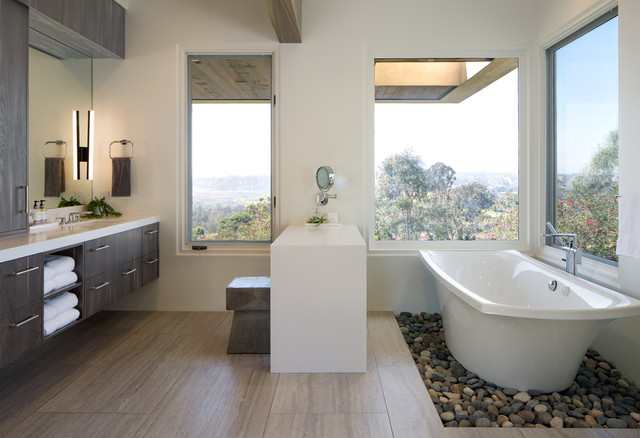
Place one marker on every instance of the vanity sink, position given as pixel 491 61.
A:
pixel 80 223
pixel 41 227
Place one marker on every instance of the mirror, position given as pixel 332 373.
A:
pixel 325 179
pixel 56 88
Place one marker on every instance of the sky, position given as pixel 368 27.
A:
pixel 478 134
pixel 231 139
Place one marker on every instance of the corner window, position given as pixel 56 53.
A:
pixel 446 149
pixel 582 177
pixel 230 126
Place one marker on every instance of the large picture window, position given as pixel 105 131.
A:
pixel 230 148
pixel 583 137
pixel 446 149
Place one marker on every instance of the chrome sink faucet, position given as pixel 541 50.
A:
pixel 569 248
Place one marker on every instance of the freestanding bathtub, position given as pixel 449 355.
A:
pixel 503 321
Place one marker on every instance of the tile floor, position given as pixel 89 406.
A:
pixel 167 374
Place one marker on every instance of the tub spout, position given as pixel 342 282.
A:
pixel 569 248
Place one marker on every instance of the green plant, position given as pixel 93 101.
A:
pixel 317 220
pixel 100 207
pixel 68 202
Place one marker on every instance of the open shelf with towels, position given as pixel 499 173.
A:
pixel 63 290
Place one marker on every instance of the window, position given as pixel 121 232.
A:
pixel 446 149
pixel 583 137
pixel 230 127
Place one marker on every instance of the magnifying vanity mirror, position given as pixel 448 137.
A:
pixel 56 88
pixel 325 178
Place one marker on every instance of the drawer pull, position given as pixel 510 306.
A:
pixel 100 248
pixel 106 283
pixel 152 261
pixel 29 269
pixel 131 271
pixel 31 318
pixel 151 232
pixel 26 199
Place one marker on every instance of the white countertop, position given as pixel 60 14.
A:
pixel 322 235
pixel 24 244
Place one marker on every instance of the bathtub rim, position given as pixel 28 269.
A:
pixel 483 305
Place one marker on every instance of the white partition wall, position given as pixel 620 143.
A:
pixel 318 300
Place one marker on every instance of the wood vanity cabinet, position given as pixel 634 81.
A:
pixel 14 55
pixel 20 307
pixel 150 255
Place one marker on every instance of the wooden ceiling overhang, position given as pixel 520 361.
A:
pixel 230 78
pixel 286 18
pixel 418 83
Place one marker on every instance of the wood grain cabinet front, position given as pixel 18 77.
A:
pixel 20 332
pixel 98 294
pixel 20 283
pixel 97 254
pixel 126 278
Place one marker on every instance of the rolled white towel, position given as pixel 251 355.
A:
pixel 65 279
pixel 58 305
pixel 60 263
pixel 49 285
pixel 65 318
pixel 49 273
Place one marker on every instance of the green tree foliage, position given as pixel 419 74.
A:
pixel 253 223
pixel 402 184
pixel 587 206
pixel 414 203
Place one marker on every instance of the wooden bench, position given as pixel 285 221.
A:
pixel 250 300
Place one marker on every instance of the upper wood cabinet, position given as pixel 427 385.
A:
pixel 13 117
pixel 90 28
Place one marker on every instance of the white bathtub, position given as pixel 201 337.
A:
pixel 503 322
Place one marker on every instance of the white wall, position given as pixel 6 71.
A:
pixel 321 119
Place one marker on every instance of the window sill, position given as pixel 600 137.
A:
pixel 243 249
pixel 590 270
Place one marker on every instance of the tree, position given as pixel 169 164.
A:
pixel 402 185
pixel 589 208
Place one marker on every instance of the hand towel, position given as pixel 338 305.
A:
pixel 121 176
pixel 629 225
pixel 65 279
pixel 49 273
pixel 53 176
pixel 60 263
pixel 61 321
pixel 58 305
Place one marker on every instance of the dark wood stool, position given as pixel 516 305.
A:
pixel 250 300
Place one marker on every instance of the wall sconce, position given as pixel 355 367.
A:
pixel 83 154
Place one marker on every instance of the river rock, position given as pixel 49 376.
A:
pixel 556 423
pixel 447 416
pixel 616 423
pixel 522 397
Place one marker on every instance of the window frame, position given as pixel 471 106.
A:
pixel 184 242
pixel 525 165
pixel 551 135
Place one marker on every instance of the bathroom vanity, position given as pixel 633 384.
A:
pixel 318 300
pixel 112 258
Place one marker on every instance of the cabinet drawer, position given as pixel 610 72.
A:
pixel 150 235
pixel 125 247
pixel 20 283
pixel 150 267
pixel 126 278
pixel 98 294
pixel 20 332
pixel 96 256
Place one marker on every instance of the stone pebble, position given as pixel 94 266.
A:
pixel 600 395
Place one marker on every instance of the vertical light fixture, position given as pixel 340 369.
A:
pixel 83 154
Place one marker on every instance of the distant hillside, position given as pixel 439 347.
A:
pixel 497 182
pixel 233 184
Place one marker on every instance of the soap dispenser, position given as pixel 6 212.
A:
pixel 34 213
pixel 43 211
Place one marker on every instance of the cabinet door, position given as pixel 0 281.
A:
pixel 98 294
pixel 20 283
pixel 150 234
pixel 150 267
pixel 96 256
pixel 14 31
pixel 125 247
pixel 20 332
pixel 126 278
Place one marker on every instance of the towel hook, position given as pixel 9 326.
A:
pixel 123 143
pixel 57 142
